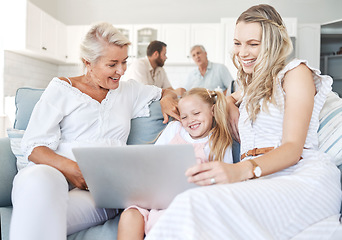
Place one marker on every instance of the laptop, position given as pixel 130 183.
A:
pixel 148 176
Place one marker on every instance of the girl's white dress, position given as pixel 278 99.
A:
pixel 276 206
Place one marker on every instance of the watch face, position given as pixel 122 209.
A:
pixel 257 171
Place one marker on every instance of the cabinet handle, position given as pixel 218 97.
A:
pixel 44 48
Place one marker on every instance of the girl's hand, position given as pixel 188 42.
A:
pixel 202 174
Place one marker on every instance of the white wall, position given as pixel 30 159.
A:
pixel 79 12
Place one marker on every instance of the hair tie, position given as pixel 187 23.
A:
pixel 208 93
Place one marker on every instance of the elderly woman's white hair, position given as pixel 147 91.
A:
pixel 98 37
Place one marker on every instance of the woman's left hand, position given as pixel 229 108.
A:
pixel 217 173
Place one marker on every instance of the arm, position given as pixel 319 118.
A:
pixel 299 104
pixel 69 168
pixel 169 104
pixel 233 114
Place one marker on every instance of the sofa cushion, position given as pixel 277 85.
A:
pixel 146 129
pixel 330 129
pixel 8 170
pixel 25 100
pixel 15 136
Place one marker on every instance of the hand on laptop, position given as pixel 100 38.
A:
pixel 73 173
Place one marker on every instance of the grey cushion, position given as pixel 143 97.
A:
pixel 8 170
pixel 145 130
pixel 25 100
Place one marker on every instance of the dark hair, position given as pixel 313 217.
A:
pixel 155 46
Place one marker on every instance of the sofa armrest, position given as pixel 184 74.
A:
pixel 8 170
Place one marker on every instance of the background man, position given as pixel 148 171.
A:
pixel 149 70
pixel 208 74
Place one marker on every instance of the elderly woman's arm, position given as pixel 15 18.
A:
pixel 69 168
pixel 169 103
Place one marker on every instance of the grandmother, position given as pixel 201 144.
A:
pixel 94 109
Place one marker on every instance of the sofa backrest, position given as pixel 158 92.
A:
pixel 25 100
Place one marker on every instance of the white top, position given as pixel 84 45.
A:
pixel 142 71
pixel 259 136
pixel 64 117
pixel 173 128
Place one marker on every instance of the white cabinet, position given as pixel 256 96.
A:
pixel 177 38
pixel 181 37
pixel 75 34
pixel 210 36
pixel 140 36
pixel 127 30
pixel 33 32
pixel 308 43
pixel 143 35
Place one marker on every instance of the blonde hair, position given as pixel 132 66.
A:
pixel 98 37
pixel 276 46
pixel 219 138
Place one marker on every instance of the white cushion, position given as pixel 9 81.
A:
pixel 15 136
pixel 330 129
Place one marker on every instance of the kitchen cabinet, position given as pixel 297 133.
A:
pixel 181 37
pixel 177 38
pixel 36 33
pixel 127 30
pixel 210 36
pixel 75 34
pixel 309 42
pixel 140 36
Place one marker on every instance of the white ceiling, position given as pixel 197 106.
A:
pixel 75 12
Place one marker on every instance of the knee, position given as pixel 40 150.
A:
pixel 131 215
pixel 39 178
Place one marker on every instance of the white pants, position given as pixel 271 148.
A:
pixel 44 208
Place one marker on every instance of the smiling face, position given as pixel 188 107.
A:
pixel 247 44
pixel 108 69
pixel 196 116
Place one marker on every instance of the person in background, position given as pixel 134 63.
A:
pixel 208 74
pixel 94 109
pixel 204 125
pixel 283 183
pixel 149 70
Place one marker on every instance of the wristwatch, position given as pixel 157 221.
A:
pixel 256 169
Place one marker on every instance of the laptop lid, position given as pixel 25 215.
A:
pixel 148 176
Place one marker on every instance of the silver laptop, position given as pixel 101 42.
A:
pixel 148 176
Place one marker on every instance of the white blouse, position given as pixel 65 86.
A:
pixel 64 117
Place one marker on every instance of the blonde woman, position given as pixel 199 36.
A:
pixel 283 184
pixel 93 109
pixel 204 125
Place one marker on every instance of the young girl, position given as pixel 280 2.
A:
pixel 283 183
pixel 204 125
